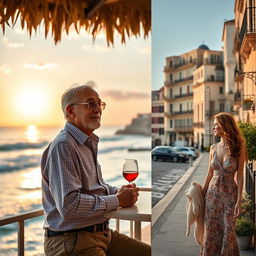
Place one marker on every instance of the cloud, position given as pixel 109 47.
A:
pixel 124 95
pixel 5 69
pixel 40 66
pixel 12 44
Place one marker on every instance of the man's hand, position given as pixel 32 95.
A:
pixel 127 195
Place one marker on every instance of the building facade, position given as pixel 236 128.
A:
pixel 245 52
pixel 157 117
pixel 178 96
pixel 209 96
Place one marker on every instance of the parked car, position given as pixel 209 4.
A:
pixel 168 153
pixel 190 151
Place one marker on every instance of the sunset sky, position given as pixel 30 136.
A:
pixel 34 72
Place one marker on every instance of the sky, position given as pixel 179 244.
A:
pixel 181 26
pixel 34 72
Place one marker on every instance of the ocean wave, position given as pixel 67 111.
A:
pixel 22 146
pixel 108 150
pixel 19 163
pixel 111 138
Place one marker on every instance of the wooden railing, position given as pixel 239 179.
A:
pixel 20 219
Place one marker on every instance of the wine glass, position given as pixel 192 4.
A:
pixel 130 170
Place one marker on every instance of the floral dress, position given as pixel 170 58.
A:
pixel 219 232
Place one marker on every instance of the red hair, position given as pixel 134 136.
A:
pixel 232 135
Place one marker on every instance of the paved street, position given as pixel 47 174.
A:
pixel 164 176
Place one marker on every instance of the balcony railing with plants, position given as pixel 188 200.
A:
pixel 248 102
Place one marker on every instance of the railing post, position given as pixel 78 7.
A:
pixel 21 238
pixel 131 229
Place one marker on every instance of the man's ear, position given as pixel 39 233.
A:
pixel 70 111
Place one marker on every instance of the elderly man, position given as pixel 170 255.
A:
pixel 75 197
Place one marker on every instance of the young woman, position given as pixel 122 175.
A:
pixel 222 191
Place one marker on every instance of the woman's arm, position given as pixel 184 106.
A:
pixel 240 182
pixel 209 173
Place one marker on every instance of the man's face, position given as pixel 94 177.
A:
pixel 85 118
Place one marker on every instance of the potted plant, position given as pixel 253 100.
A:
pixel 247 103
pixel 244 226
pixel 244 232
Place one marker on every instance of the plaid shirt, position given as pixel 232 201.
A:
pixel 74 193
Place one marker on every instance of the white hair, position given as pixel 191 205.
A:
pixel 70 95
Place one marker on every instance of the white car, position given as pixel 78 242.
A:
pixel 190 151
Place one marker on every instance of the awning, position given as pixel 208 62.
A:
pixel 126 17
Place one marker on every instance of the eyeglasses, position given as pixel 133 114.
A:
pixel 92 104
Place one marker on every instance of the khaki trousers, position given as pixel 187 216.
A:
pixel 108 243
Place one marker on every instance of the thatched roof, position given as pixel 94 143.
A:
pixel 126 17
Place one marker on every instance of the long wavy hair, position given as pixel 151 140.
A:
pixel 232 135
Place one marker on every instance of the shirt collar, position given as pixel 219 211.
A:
pixel 79 135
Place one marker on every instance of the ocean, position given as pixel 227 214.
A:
pixel 20 176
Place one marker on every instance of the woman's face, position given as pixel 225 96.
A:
pixel 216 128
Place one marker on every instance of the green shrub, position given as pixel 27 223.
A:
pixel 244 227
pixel 249 132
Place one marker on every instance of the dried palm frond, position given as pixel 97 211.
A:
pixel 126 17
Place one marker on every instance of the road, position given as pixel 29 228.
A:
pixel 164 176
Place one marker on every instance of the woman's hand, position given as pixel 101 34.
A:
pixel 238 210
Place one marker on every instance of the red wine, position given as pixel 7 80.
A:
pixel 130 175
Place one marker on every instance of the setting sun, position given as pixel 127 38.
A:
pixel 31 102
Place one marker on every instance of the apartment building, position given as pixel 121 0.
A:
pixel 209 96
pixel 157 117
pixel 178 96
pixel 245 52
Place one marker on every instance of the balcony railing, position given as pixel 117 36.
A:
pixel 198 125
pixel 20 219
pixel 249 22
pixel 183 95
pixel 183 79
pixel 189 62
pixel 183 112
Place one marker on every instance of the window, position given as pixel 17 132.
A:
pixel 180 91
pixel 171 108
pixel 171 78
pixel 161 131
pixel 221 89
pixel 180 107
pixel 161 109
pixel 171 63
pixel 188 89
pixel 171 93
pixel 160 120
pixel 171 123
pixel 222 107
pixel 190 59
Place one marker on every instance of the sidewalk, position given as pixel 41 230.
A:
pixel 168 231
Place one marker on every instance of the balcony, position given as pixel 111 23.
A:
pixel 183 95
pixel 185 64
pixel 177 81
pixel 178 97
pixel 198 125
pixel 183 128
pixel 183 112
pixel 215 79
pixel 247 33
